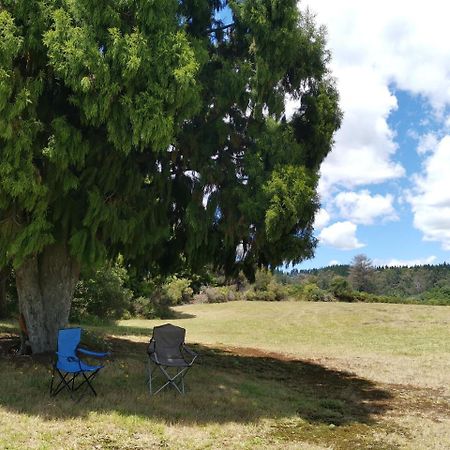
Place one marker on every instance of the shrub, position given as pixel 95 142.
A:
pixel 221 294
pixel 144 307
pixel 200 298
pixel 312 293
pixel 273 292
pixel 215 295
pixel 178 290
pixel 102 294
pixel 341 288
pixel 279 291
pixel 266 288
pixel 250 295
pixel 263 277
pixel 265 296
pixel 372 298
pixel 439 295
pixel 294 291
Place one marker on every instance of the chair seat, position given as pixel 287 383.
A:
pixel 76 366
pixel 169 362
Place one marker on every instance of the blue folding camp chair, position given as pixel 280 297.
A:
pixel 73 372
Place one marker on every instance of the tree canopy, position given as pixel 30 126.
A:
pixel 92 95
pixel 147 128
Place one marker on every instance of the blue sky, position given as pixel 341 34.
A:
pixel 392 240
pixel 385 187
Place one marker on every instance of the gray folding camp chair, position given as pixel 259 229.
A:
pixel 168 353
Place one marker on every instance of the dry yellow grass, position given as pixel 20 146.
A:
pixel 272 375
pixel 398 344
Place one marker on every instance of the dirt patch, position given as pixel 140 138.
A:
pixel 9 349
pixel 426 402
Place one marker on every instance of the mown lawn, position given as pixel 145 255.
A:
pixel 270 375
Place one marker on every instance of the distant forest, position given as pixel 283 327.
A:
pixel 425 282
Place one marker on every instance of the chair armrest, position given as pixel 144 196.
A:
pixel 189 350
pixel 151 347
pixel 67 358
pixel 91 353
pixel 151 351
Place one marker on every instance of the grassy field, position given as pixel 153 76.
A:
pixel 270 375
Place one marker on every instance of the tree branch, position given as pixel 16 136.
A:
pixel 223 27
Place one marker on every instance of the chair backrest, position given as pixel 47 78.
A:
pixel 68 340
pixel 168 340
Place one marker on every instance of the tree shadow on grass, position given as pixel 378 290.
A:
pixel 226 385
pixel 179 315
pixel 123 329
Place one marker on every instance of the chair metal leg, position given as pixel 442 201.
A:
pixel 176 380
pixel 73 382
pixel 69 383
pixel 63 383
pixel 87 380
pixel 52 380
pixel 150 377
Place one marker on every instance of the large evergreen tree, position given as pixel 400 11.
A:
pixel 149 128
pixel 4 273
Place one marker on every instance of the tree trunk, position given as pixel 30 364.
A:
pixel 4 272
pixel 45 286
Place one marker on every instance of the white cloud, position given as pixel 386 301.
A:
pixel 341 235
pixel 430 198
pixel 405 262
pixel 377 45
pixel 363 208
pixel 321 219
pixel 364 146
pixel 427 143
